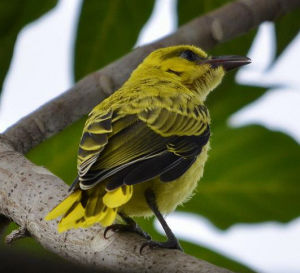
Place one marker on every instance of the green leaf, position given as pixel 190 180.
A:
pixel 107 30
pixel 14 15
pixel 251 176
pixel 286 27
pixel 195 250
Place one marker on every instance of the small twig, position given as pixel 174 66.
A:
pixel 16 234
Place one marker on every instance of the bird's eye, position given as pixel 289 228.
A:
pixel 190 55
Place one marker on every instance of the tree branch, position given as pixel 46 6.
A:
pixel 27 192
pixel 205 31
pixel 16 234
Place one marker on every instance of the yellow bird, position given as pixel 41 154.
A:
pixel 143 149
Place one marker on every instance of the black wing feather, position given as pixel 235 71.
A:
pixel 168 166
pixel 152 168
pixel 177 170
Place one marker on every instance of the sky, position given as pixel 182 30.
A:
pixel 41 69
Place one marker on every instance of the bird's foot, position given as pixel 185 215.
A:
pixel 132 227
pixel 170 244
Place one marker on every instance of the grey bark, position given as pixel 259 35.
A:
pixel 27 192
pixel 206 31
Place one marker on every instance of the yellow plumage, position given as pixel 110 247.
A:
pixel 152 133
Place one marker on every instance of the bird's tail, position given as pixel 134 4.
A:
pixel 85 208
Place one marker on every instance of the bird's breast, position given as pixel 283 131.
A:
pixel 168 195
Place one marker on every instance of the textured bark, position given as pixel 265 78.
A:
pixel 206 31
pixel 28 191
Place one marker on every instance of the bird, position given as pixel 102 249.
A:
pixel 143 149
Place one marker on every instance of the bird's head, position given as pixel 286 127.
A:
pixel 192 67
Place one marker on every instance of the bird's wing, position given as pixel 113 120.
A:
pixel 158 140
pixel 93 141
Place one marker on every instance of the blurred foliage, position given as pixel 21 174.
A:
pixel 106 31
pixel 287 27
pixel 14 15
pixel 251 175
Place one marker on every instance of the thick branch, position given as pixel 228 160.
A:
pixel 206 31
pixel 27 192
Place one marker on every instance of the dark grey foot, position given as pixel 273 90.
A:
pixel 171 244
pixel 127 228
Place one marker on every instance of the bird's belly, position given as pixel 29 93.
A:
pixel 168 195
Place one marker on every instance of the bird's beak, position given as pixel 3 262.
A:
pixel 228 62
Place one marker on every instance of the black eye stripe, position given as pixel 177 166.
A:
pixel 190 56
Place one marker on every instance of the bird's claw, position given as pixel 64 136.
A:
pixel 114 228
pixel 127 228
pixel 171 244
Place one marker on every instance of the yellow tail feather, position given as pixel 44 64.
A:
pixel 102 211
pixel 90 220
pixel 109 218
pixel 64 206
pixel 118 197
pixel 69 221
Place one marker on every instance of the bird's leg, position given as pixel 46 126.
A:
pixel 172 241
pixel 130 226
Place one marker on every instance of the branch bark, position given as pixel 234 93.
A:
pixel 205 31
pixel 28 191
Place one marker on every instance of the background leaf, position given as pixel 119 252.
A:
pixel 251 176
pixel 107 30
pixel 14 15
pixel 286 28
